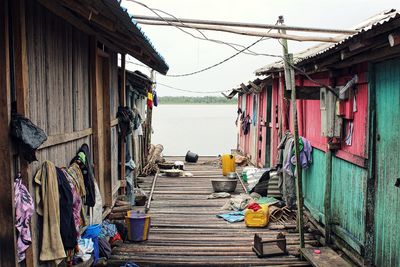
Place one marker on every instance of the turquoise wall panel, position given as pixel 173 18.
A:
pixel 314 185
pixel 347 201
pixel 387 207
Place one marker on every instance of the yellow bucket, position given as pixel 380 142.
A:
pixel 228 164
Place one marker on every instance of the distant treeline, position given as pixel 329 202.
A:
pixel 196 100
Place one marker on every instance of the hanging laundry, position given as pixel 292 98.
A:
pixel 155 98
pixel 48 206
pixel 76 204
pixel 67 224
pixel 87 171
pixel 150 100
pixel 239 112
pixel 287 182
pixel 125 121
pixel 97 215
pixel 75 173
pixel 24 209
pixel 137 120
pixel 305 156
pixel 246 125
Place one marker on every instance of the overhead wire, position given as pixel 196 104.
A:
pixel 243 50
pixel 205 38
pixel 191 91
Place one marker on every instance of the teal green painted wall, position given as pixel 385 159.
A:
pixel 347 198
pixel 387 207
pixel 314 185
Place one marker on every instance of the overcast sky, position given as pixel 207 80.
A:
pixel 185 54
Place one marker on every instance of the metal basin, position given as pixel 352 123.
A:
pixel 173 173
pixel 224 185
pixel 231 175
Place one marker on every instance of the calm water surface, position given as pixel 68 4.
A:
pixel 207 130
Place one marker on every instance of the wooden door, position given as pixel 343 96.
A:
pixel 387 197
pixel 101 125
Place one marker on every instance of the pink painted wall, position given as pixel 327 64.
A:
pixel 262 131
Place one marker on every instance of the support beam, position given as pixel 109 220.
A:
pixel 327 196
pixel 122 102
pixel 246 25
pixel 371 182
pixel 255 87
pixel 298 38
pixel 244 88
pixel 291 85
pixel 7 206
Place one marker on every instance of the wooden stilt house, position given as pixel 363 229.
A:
pixel 59 68
pixel 348 108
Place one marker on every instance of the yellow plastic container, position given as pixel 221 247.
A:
pixel 228 164
pixel 258 218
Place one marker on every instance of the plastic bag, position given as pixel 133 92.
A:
pixel 28 135
pixel 253 177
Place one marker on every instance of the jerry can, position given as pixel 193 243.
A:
pixel 259 218
pixel 228 164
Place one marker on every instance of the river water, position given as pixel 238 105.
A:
pixel 207 130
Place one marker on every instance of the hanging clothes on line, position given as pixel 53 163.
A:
pixel 305 156
pixel 246 125
pixel 287 182
pixel 67 223
pixel 24 209
pixel 86 167
pixel 48 206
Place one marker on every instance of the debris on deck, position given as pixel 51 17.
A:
pixel 185 230
pixel 324 257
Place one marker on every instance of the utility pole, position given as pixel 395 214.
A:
pixel 291 85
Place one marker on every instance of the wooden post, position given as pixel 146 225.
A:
pixel 147 137
pixel 7 205
pixel 290 85
pixel 21 82
pixel 327 197
pixel 371 181
pixel 122 102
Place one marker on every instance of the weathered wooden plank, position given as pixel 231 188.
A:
pixel 185 230
pixel 21 83
pixel 58 139
pixel 7 206
pixel 328 257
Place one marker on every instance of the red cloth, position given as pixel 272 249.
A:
pixel 115 238
pixel 254 206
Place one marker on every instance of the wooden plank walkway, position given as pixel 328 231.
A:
pixel 186 232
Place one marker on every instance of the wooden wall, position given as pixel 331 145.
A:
pixel 60 99
pixel 59 91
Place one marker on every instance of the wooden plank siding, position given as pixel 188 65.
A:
pixel 7 206
pixel 61 100
pixel 387 205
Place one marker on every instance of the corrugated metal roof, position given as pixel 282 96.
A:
pixel 133 27
pixel 367 25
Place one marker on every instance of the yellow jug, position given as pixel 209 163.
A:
pixel 228 164
pixel 259 218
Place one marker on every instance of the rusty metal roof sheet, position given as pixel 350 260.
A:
pixel 368 25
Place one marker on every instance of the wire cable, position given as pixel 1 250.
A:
pixel 191 91
pixel 153 10
pixel 205 38
pixel 214 65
